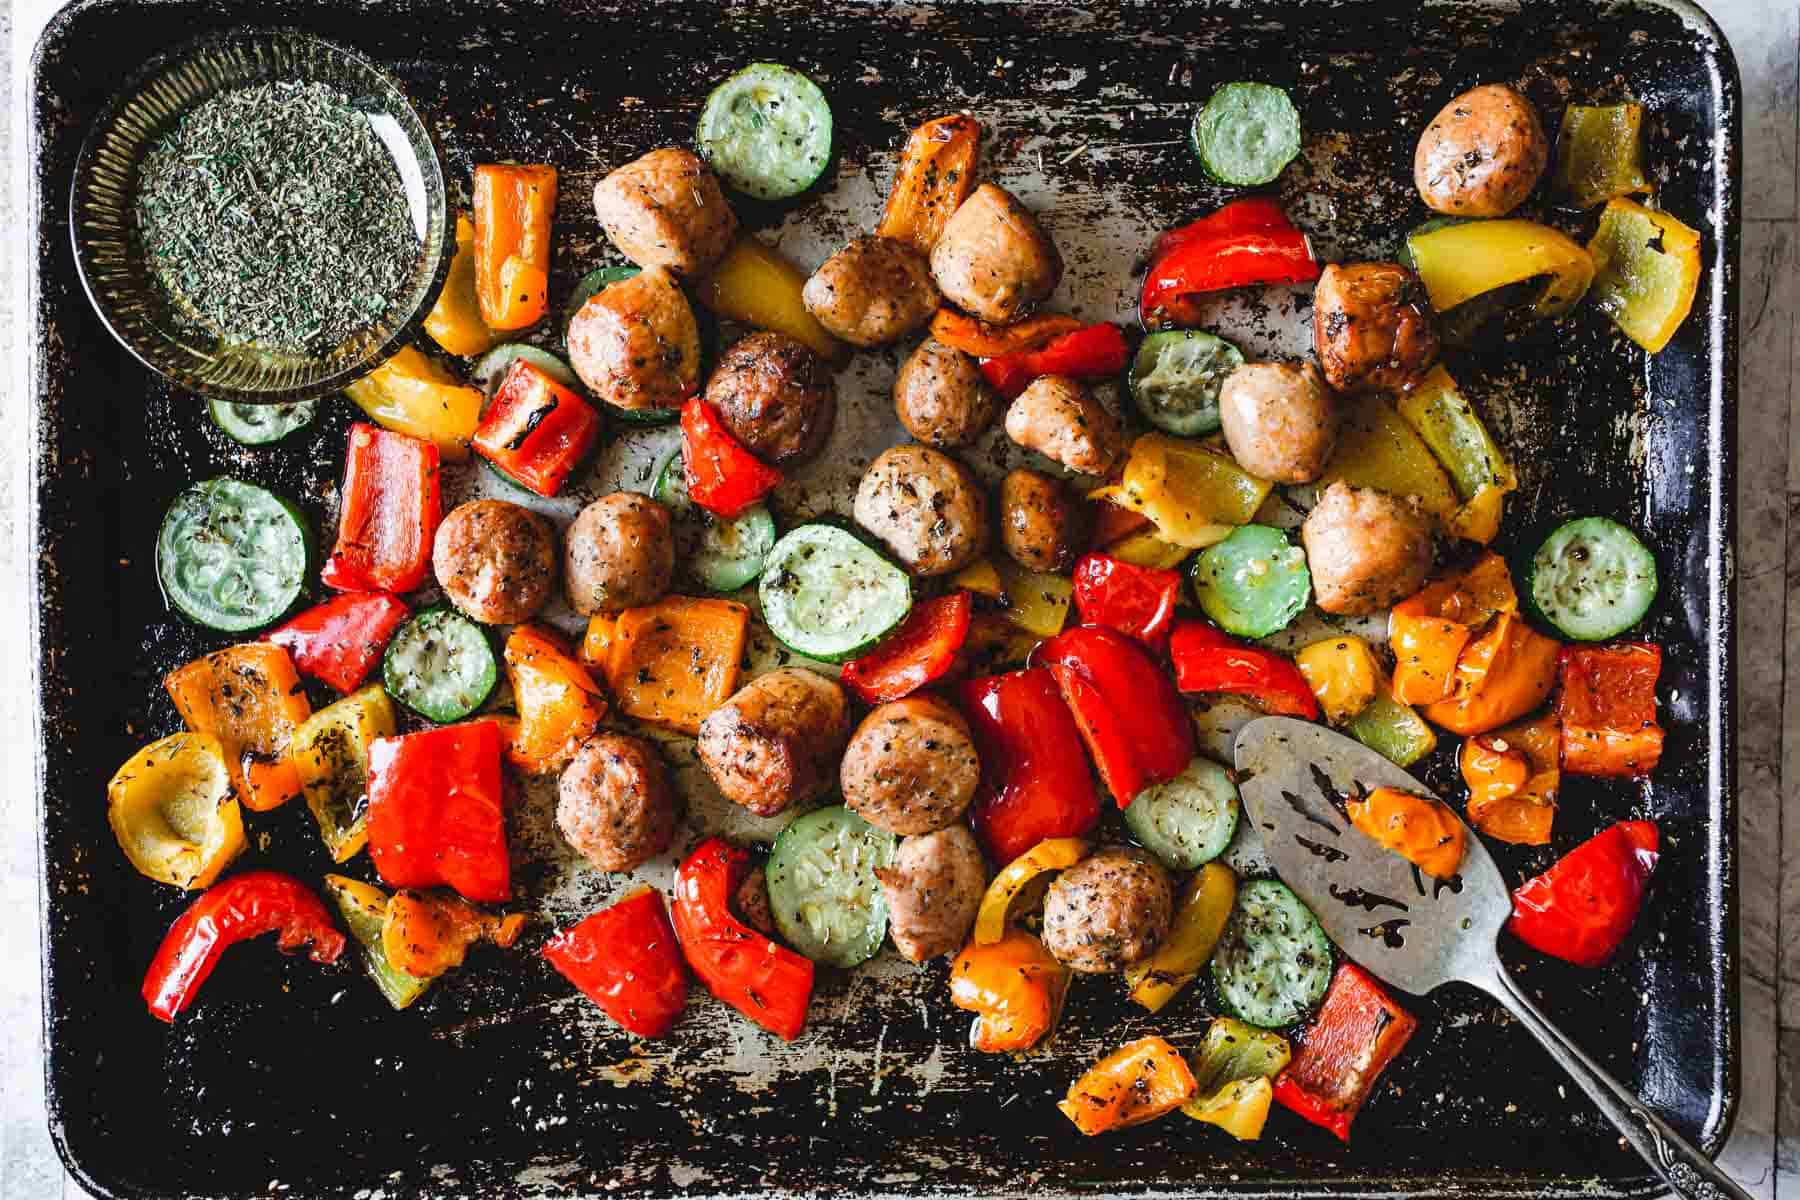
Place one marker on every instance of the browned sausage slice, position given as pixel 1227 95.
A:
pixel 993 259
pixel 1280 420
pixel 911 766
pixel 1107 911
pixel 1366 550
pixel 925 507
pixel 1482 154
pixel 495 560
pixel 1061 420
pixel 933 889
pixel 1372 327
pixel 666 209
pixel 941 396
pixel 776 396
pixel 615 804
pixel 618 553
pixel 636 344
pixel 1043 525
pixel 872 292
pixel 776 742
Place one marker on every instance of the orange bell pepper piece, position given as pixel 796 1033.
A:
pixel 1138 1082
pixel 1417 828
pixel 672 662
pixel 514 207
pixel 936 174
pixel 1513 775
pixel 250 698
pixel 1014 987
pixel 974 336
pixel 1429 630
pixel 425 934
pixel 1608 709
pixel 559 703
pixel 1502 675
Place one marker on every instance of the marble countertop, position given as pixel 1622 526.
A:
pixel 1764 1150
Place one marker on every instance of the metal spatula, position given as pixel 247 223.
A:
pixel 1412 931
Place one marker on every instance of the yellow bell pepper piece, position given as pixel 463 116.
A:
pixel 411 394
pixel 1649 271
pixel 1192 493
pixel 1454 431
pixel 330 751
pixel 1460 262
pixel 1052 854
pixel 1343 674
pixel 1377 449
pixel 251 699
pixel 753 284
pixel 364 909
pixel 1035 601
pixel 1147 550
pixel 1600 153
pixel 425 934
pixel 982 578
pixel 1232 1073
pixel 1193 934
pixel 172 808
pixel 455 321
pixel 1479 519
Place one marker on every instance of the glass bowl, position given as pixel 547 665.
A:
pixel 131 303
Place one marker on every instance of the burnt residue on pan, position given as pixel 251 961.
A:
pixel 502 1082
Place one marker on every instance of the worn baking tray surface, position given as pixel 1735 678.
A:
pixel 502 1081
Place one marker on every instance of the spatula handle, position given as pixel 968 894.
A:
pixel 1689 1173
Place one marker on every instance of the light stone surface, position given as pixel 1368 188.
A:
pixel 1764 1152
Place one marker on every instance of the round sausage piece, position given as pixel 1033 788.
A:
pixel 872 292
pixel 1108 911
pixel 933 889
pixel 1061 420
pixel 751 903
pixel 495 560
pixel 1482 154
pixel 666 209
pixel 775 743
pixel 1365 549
pixel 1372 327
pixel 776 396
pixel 941 396
pixel 910 767
pixel 1280 420
pixel 615 804
pixel 1043 525
pixel 925 507
pixel 993 260
pixel 635 343
pixel 618 553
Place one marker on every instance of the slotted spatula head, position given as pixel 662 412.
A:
pixel 1411 930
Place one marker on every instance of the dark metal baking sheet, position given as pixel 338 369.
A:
pixel 501 1083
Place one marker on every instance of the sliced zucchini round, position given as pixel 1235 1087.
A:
pixel 1186 821
pixel 766 131
pixel 826 594
pixel 1254 582
pixel 1176 376
pixel 261 424
pixel 822 887
pixel 232 556
pixel 1273 962
pixel 721 555
pixel 1592 579
pixel 491 367
pixel 1246 134
pixel 440 665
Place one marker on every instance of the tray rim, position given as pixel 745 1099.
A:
pixel 1720 515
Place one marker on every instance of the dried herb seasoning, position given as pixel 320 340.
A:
pixel 274 215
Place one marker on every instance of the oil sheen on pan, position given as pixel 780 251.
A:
pixel 506 1082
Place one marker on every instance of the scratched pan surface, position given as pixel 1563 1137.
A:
pixel 503 1083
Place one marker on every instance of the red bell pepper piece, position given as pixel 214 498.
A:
pixel 233 910
pixel 1582 907
pixel 722 476
pixel 766 982
pixel 1093 352
pixel 434 810
pixel 1358 1032
pixel 1137 601
pixel 920 652
pixel 1136 728
pixel 1249 241
pixel 1035 783
pixel 389 514
pixel 340 641
pixel 536 430
pixel 1207 660
pixel 1607 706
pixel 625 959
